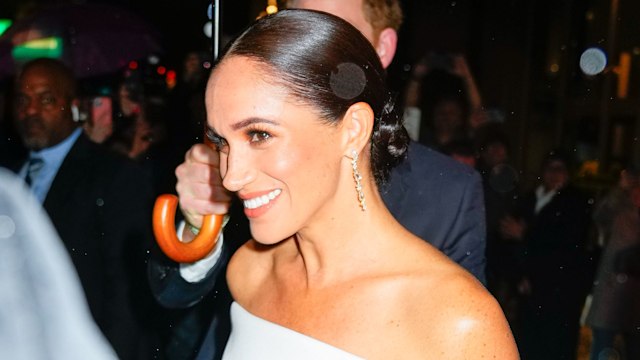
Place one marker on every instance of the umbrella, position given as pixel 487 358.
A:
pixel 93 39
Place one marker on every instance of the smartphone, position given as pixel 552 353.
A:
pixel 99 124
pixel 101 111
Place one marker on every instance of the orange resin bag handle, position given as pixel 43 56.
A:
pixel 164 229
pixel 164 213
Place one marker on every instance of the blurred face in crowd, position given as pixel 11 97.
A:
pixel 383 40
pixel 191 64
pixel 448 117
pixel 350 10
pixel 630 181
pixel 494 154
pixel 43 115
pixel 555 175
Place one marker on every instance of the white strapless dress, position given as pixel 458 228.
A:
pixel 255 338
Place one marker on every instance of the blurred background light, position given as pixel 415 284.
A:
pixel 50 47
pixel 208 29
pixel 4 25
pixel 593 61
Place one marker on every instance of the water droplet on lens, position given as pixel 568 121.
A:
pixel 7 227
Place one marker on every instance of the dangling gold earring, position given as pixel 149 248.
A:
pixel 357 177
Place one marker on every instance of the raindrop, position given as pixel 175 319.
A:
pixel 7 227
pixel 347 81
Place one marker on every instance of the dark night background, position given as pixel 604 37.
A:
pixel 524 55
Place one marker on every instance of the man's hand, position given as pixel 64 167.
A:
pixel 199 185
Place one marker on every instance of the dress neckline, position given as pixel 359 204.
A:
pixel 243 316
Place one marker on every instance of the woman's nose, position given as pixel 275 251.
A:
pixel 237 171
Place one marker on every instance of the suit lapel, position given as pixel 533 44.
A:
pixel 73 171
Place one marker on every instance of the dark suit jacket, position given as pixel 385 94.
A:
pixel 100 205
pixel 554 256
pixel 440 201
pixel 432 195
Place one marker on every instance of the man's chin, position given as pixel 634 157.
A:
pixel 34 143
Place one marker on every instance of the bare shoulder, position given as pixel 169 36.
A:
pixel 454 316
pixel 247 269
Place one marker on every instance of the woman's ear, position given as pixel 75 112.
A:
pixel 357 126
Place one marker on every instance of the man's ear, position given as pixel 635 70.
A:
pixel 386 46
pixel 357 125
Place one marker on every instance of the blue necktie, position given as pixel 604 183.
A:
pixel 33 168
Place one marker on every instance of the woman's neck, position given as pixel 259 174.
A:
pixel 342 240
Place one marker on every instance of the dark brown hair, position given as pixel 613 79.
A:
pixel 328 64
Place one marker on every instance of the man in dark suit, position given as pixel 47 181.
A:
pixel 430 194
pixel 99 204
pixel 550 225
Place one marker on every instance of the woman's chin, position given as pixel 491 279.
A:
pixel 266 237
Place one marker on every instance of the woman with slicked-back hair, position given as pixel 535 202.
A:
pixel 307 131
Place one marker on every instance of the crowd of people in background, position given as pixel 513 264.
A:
pixel 558 256
pixel 555 251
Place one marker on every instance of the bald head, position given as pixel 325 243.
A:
pixel 55 69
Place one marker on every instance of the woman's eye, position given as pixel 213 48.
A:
pixel 217 141
pixel 259 136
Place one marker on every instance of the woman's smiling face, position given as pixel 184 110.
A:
pixel 280 157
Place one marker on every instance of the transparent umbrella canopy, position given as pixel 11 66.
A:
pixel 93 39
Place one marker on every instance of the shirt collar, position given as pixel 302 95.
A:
pixel 56 154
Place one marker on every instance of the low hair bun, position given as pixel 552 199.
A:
pixel 389 141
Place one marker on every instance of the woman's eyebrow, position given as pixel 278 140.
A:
pixel 251 121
